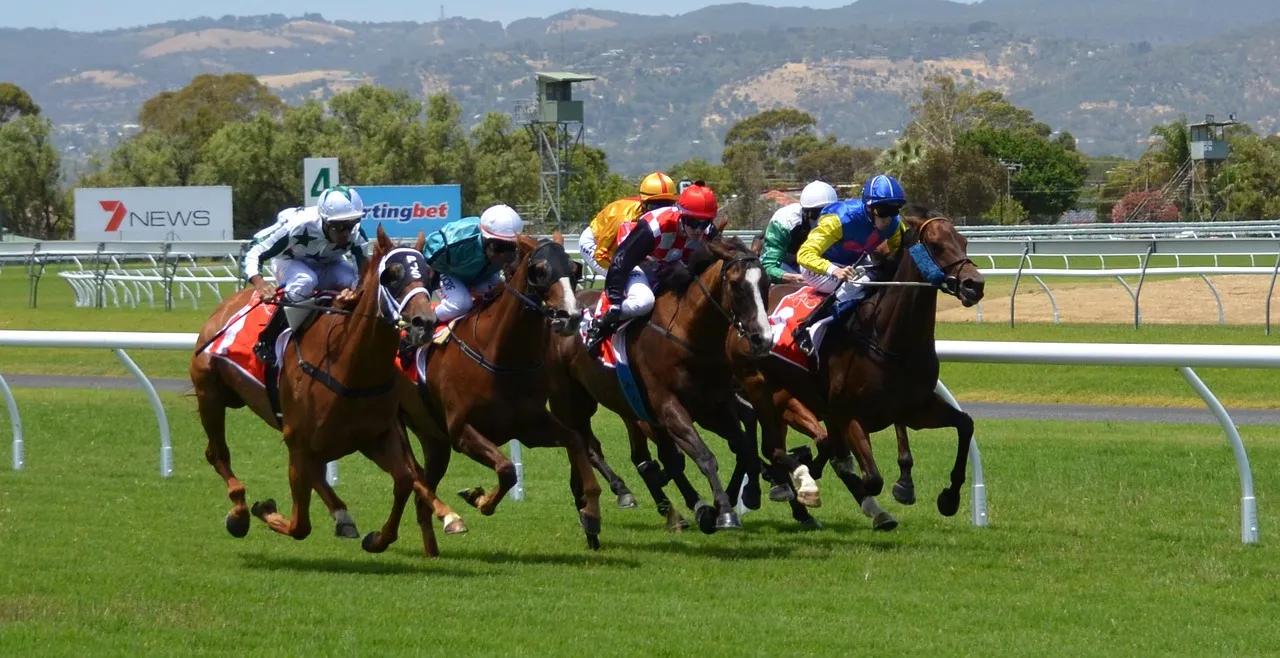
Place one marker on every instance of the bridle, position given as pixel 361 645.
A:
pixel 737 324
pixel 939 276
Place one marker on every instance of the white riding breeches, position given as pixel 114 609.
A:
pixel 639 299
pixel 587 248
pixel 846 291
pixel 455 296
pixel 300 279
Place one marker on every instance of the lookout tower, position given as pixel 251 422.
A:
pixel 554 120
pixel 1209 147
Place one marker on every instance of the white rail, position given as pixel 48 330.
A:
pixel 1182 357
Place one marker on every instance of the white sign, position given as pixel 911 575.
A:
pixel 153 213
pixel 317 174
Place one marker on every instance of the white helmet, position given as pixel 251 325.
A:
pixel 817 195
pixel 340 204
pixel 501 222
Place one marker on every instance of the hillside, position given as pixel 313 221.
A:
pixel 668 87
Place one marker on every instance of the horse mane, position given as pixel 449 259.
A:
pixel 677 279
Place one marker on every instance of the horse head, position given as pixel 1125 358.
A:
pixel 940 255
pixel 548 283
pixel 403 297
pixel 738 291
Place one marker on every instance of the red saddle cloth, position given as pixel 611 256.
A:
pixel 793 310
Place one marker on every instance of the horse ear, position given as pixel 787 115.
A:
pixel 558 237
pixel 383 240
pixel 722 223
pixel 422 240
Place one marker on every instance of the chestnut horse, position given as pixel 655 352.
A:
pixel 488 385
pixel 680 356
pixel 880 366
pixel 326 408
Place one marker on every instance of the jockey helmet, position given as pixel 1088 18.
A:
pixel 883 190
pixel 501 222
pixel 657 187
pixel 340 204
pixel 698 203
pixel 817 195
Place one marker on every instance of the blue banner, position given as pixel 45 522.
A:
pixel 403 210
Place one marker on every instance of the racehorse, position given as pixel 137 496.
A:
pixel 487 384
pixel 327 410
pixel 880 367
pixel 703 315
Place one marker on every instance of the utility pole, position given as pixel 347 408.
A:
pixel 1009 168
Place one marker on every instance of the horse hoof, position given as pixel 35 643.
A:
pixel 904 494
pixel 369 544
pixel 591 526
pixel 593 542
pixel 781 493
pixel 627 501
pixel 263 508
pixel 884 521
pixel 751 495
pixel 728 521
pixel 706 517
pixel 472 495
pixel 809 499
pixel 948 502
pixel 453 525
pixel 811 524
pixel 238 527
pixel 346 530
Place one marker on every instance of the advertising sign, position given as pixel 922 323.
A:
pixel 318 174
pixel 153 213
pixel 403 210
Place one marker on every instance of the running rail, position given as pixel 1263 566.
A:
pixel 1184 358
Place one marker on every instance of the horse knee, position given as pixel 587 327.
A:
pixel 872 484
pixel 506 474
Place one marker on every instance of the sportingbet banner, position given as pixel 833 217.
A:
pixel 153 213
pixel 403 210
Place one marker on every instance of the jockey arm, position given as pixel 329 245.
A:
pixel 358 244
pixel 776 239
pixel 634 249
pixel 826 234
pixel 266 244
pixel 587 247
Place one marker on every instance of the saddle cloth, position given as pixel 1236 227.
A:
pixel 793 310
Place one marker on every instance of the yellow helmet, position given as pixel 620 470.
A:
pixel 658 187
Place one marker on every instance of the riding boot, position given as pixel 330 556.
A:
pixel 265 348
pixel 801 337
pixel 602 328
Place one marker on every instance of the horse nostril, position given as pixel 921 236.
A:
pixel 418 322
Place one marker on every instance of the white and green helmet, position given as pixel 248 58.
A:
pixel 340 204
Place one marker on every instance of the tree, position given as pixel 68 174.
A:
pixel 774 139
pixel 252 158
pixel 715 176
pixel 945 111
pixel 1144 206
pixel 961 183
pixel 385 139
pixel 1248 184
pixel 504 166
pixel 596 187
pixel 207 103
pixel 15 102
pixel 838 164
pixel 31 198
pixel 1048 182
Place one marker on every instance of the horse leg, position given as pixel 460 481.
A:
pixel 653 475
pixel 437 453
pixel 773 442
pixel 680 427
pixel 841 461
pixel 746 450
pixel 303 469
pixel 575 408
pixel 936 414
pixel 544 430
pixel 391 454
pixel 673 464
pixel 856 440
pixel 344 525
pixel 213 416
pixel 476 446
pixel 904 490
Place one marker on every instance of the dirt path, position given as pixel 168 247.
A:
pixel 1179 301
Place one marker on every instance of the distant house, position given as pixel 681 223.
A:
pixel 781 198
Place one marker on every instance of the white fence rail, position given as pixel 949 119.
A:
pixel 1182 357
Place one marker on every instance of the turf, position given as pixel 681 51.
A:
pixel 1105 539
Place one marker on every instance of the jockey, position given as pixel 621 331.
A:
pixel 469 254
pixel 659 238
pixel 306 246
pixel 598 240
pixel 847 233
pixel 788 229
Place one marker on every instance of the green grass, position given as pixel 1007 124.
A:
pixel 1105 539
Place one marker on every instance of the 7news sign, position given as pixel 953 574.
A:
pixel 403 210
pixel 153 213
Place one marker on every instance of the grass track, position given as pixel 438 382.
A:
pixel 1105 539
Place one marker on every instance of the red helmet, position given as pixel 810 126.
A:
pixel 698 202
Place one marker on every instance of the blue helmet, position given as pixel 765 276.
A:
pixel 883 189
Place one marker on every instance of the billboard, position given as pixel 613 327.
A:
pixel 403 210
pixel 153 213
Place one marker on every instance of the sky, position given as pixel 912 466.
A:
pixel 93 15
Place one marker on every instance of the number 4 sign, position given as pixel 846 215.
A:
pixel 317 174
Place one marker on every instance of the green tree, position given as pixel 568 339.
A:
pixel 504 167
pixel 31 198
pixel 945 111
pixel 774 139
pixel 252 158
pixel 207 103
pixel 962 183
pixel 596 187
pixel 447 148
pixel 714 175
pixel 1248 185
pixel 1048 182
pixel 386 140
pixel 15 102
pixel 837 164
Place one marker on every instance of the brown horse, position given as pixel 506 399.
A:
pixel 879 367
pixel 705 316
pixel 323 422
pixel 488 385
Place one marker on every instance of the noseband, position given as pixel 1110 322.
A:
pixel 939 276
pixel 734 322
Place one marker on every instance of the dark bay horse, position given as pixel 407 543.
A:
pixel 880 367
pixel 488 385
pixel 336 392
pixel 681 358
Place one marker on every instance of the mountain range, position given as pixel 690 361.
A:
pixel 667 87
